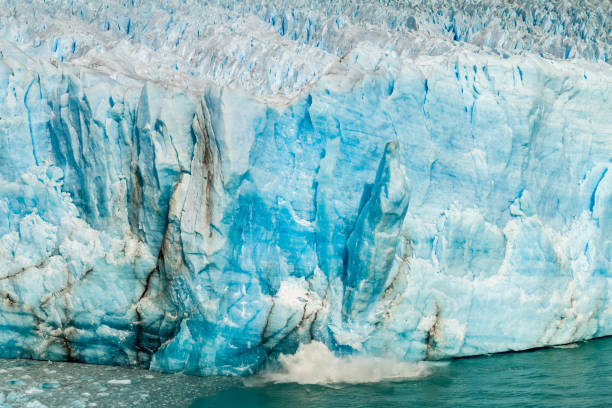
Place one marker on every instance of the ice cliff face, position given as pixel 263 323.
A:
pixel 197 187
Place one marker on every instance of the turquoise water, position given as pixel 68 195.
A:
pixel 578 375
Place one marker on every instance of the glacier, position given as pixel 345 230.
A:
pixel 202 186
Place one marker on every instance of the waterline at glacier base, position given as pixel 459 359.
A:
pixel 221 188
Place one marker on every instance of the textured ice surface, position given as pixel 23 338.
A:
pixel 199 187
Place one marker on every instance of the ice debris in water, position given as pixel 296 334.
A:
pixel 314 363
pixel 202 186
pixel 86 385
pixel 120 382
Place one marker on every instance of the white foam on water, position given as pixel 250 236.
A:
pixel 566 346
pixel 314 363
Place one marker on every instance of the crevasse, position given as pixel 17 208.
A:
pixel 198 187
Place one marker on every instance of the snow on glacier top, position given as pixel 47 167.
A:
pixel 278 48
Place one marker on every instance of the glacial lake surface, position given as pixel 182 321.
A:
pixel 576 375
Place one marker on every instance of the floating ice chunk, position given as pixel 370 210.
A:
pixel 202 192
pixel 120 382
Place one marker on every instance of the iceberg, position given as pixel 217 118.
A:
pixel 204 186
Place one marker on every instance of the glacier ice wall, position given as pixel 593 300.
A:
pixel 199 186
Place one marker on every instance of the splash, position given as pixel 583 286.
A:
pixel 314 363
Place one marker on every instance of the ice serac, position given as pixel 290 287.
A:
pixel 371 244
pixel 201 191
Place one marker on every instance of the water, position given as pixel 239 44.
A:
pixel 577 375
pixel 37 384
